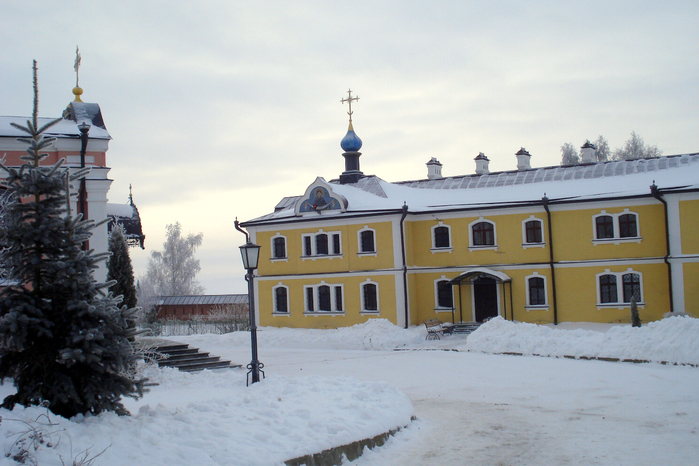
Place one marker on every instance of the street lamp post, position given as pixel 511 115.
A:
pixel 250 253
pixel 82 201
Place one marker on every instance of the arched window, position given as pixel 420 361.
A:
pixel 366 241
pixel 533 231
pixel 537 291
pixel 483 234
pixel 441 237
pixel 615 228
pixel 278 247
pixel 370 297
pixel 632 287
pixel 627 226
pixel 607 289
pixel 321 244
pixel 604 226
pixel 323 298
pixel 281 299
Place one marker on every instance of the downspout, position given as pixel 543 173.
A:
pixel 545 203
pixel 405 265
pixel 655 192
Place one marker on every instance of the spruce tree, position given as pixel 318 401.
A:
pixel 63 340
pixel 120 269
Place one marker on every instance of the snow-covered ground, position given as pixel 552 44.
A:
pixel 330 387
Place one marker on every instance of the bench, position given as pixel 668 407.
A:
pixel 435 329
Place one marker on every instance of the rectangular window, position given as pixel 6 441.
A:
pixel 445 297
pixel 336 244
pixel 309 299
pixel 307 251
pixel 338 298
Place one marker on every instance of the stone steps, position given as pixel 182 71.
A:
pixel 466 328
pixel 189 359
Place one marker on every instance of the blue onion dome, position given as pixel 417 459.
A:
pixel 351 142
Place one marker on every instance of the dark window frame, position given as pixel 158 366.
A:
pixel 537 291
pixel 370 297
pixel 483 233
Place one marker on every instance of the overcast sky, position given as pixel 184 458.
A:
pixel 219 109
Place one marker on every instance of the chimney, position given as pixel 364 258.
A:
pixel 434 169
pixel 587 153
pixel 523 159
pixel 482 164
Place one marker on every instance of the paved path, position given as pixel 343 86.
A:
pixel 476 409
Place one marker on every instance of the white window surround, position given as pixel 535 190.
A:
pixel 369 281
pixel 437 307
pixel 333 302
pixel 314 255
pixel 526 245
pixel 286 248
pixel 531 307
pixel 434 248
pixel 274 300
pixel 619 289
pixel 361 253
pixel 473 247
pixel 617 239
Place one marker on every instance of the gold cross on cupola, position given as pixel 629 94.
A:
pixel 349 100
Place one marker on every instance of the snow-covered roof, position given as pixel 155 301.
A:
pixel 74 115
pixel 204 299
pixel 602 180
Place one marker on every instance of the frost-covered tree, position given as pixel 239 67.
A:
pixel 63 340
pixel 173 272
pixel 602 151
pixel 569 155
pixel 635 148
pixel 119 268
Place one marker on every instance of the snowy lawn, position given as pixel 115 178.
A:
pixel 331 387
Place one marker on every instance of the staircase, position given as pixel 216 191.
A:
pixel 188 359
pixel 465 328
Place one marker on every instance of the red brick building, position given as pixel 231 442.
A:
pixel 200 306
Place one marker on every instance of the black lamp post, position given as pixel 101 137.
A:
pixel 250 253
pixel 82 201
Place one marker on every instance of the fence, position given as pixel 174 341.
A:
pixel 173 328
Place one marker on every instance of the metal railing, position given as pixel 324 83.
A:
pixel 173 328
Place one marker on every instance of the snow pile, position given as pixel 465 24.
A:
pixel 675 340
pixel 375 334
pixel 211 418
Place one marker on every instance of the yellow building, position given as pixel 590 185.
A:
pixel 543 245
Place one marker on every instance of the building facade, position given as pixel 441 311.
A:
pixel 541 245
pixel 69 146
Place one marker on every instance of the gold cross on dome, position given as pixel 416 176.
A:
pixel 349 100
